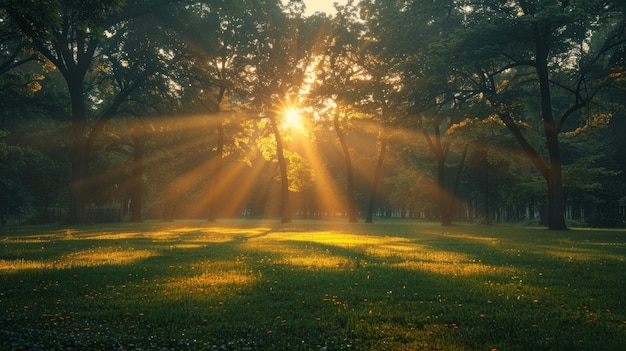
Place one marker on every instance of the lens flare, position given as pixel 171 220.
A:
pixel 293 121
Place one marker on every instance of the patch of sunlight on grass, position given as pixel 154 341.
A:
pixel 375 246
pixel 467 236
pixel 209 280
pixel 114 236
pixel 247 231
pixel 163 236
pixel 210 239
pixel 378 246
pixel 104 256
pixel 21 264
pixel 207 235
pixel 343 240
pixel 187 246
pixel 297 255
pixel 464 269
pixel 578 254
pixel 316 261
pixel 86 258
pixel 71 234
pixel 216 274
pixel 33 239
pixel 184 230
pixel 417 252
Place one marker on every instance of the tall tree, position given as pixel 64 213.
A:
pixel 70 35
pixel 275 73
pixel 332 91
pixel 218 39
pixel 523 59
pixel 416 98
pixel 541 48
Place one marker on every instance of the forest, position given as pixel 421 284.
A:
pixel 449 110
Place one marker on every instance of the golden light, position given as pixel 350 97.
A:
pixel 85 258
pixel 292 120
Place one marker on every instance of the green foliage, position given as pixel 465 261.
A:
pixel 305 286
pixel 32 182
pixel 301 175
pixel 443 70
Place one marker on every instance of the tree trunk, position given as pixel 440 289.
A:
pixel 216 178
pixel 483 165
pixel 136 190
pixel 440 150
pixel 214 185
pixel 442 193
pixel 352 212
pixel 556 198
pixel 377 174
pixel 457 180
pixel 486 190
pixel 78 152
pixel 284 181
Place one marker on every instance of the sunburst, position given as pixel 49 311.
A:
pixel 293 120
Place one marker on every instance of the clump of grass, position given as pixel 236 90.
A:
pixel 244 285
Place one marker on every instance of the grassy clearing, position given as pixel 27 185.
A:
pixel 248 285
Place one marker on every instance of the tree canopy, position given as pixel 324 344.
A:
pixel 448 110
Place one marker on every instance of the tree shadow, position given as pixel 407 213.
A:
pixel 237 294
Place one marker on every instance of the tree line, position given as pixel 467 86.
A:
pixel 454 110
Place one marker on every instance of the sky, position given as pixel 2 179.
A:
pixel 313 6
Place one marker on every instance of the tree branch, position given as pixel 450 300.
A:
pixel 112 110
pixel 11 62
pixel 528 149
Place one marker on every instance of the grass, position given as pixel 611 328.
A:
pixel 311 285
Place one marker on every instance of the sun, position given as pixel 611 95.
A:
pixel 292 120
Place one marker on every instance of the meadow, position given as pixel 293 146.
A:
pixel 311 285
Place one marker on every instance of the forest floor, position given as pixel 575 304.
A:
pixel 311 285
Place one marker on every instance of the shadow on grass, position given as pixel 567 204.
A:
pixel 289 287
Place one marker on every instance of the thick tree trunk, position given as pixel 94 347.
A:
pixel 352 212
pixel 284 181
pixel 377 174
pixel 136 190
pixel 556 198
pixel 551 172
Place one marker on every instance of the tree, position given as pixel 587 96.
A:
pixel 217 38
pixel 275 73
pixel 140 71
pixel 538 49
pixel 70 35
pixel 421 96
pixel 368 75
pixel 332 92
pixel 523 59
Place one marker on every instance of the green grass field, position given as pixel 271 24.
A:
pixel 311 285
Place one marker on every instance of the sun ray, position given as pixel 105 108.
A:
pixel 327 195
